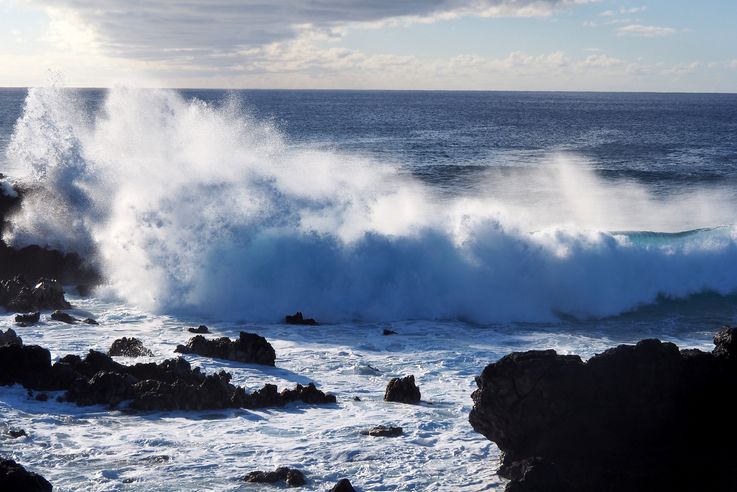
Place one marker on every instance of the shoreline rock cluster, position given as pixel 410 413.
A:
pixel 634 418
pixel 249 348
pixel 166 386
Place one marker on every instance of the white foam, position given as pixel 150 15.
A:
pixel 201 209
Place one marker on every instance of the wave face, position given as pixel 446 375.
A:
pixel 202 209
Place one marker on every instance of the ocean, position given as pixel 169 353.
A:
pixel 471 223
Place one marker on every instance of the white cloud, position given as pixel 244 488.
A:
pixel 645 31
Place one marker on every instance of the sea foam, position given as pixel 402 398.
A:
pixel 202 209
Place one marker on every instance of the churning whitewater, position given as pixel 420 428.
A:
pixel 201 209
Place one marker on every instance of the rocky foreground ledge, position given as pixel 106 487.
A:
pixel 97 379
pixel 648 417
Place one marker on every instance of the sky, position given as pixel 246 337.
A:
pixel 592 45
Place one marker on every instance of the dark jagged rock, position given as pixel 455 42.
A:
pixel 63 317
pixel 9 338
pixel 36 262
pixel 169 385
pixel 402 390
pixel 249 348
pixel 292 477
pixel 343 485
pixel 388 332
pixel 90 321
pixel 16 433
pixel 202 329
pixel 383 431
pixel 298 319
pixel 129 347
pixel 13 477
pixel 28 319
pixel 634 418
pixel 17 294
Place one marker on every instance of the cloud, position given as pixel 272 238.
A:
pixel 170 29
pixel 645 31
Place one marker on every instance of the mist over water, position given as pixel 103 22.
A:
pixel 206 209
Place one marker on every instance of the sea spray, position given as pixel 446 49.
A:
pixel 194 208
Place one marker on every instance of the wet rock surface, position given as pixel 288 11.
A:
pixel 298 319
pixel 383 431
pixel 28 319
pixel 169 385
pixel 63 317
pixel 249 348
pixel 128 347
pixel 291 476
pixel 21 295
pixel 202 330
pixel 633 418
pixel 343 485
pixel 13 477
pixel 402 390
pixel 9 337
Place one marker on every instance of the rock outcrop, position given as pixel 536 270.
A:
pixel 249 348
pixel 169 385
pixel 298 319
pixel 634 418
pixel 343 485
pixel 402 390
pixel 292 477
pixel 9 338
pixel 201 330
pixel 128 347
pixel 13 477
pixel 383 431
pixel 17 294
pixel 63 317
pixel 28 319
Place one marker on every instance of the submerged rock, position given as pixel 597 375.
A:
pixel 63 317
pixel 16 433
pixel 249 348
pixel 383 431
pixel 129 347
pixel 388 332
pixel 634 418
pixel 202 329
pixel 298 319
pixel 402 390
pixel 292 477
pixel 343 485
pixel 9 338
pixel 13 477
pixel 90 321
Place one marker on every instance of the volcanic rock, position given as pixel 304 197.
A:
pixel 343 485
pixel 388 332
pixel 129 347
pixel 293 478
pixel 13 477
pixel 249 348
pixel 16 294
pixel 634 418
pixel 28 318
pixel 298 319
pixel 402 390
pixel 202 329
pixel 9 338
pixel 90 321
pixel 383 431
pixel 63 317
pixel 16 433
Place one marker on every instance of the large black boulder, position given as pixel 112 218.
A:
pixel 249 348
pixel 298 319
pixel 633 418
pixel 20 295
pixel 128 347
pixel 9 338
pixel 15 478
pixel 292 477
pixel 402 390
pixel 343 485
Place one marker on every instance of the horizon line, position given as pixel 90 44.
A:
pixel 318 89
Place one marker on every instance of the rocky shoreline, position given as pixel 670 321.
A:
pixel 641 417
